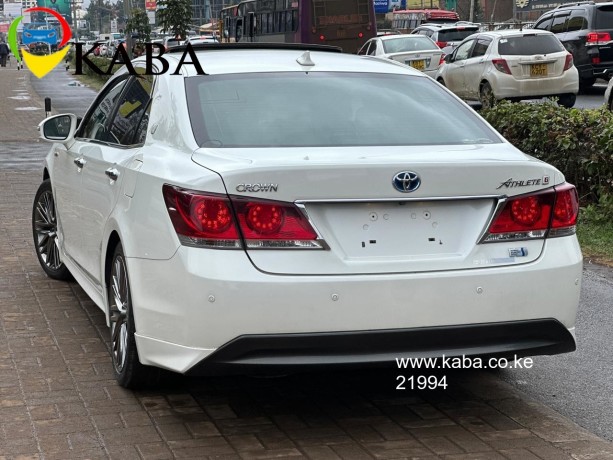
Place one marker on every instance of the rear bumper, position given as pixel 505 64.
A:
pixel 506 86
pixel 253 354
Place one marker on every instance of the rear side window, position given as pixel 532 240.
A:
pixel 604 17
pixel 577 21
pixel 456 35
pixel 529 44
pixel 559 24
pixel 545 24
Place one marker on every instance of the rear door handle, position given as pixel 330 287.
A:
pixel 80 162
pixel 112 173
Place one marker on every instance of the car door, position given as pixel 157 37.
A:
pixel 454 69
pixel 66 180
pixel 107 159
pixel 475 66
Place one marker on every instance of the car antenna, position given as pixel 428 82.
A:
pixel 305 59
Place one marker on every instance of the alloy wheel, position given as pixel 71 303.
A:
pixel 45 229
pixel 119 303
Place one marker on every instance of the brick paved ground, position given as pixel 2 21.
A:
pixel 58 399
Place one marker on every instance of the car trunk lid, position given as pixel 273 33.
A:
pixel 371 227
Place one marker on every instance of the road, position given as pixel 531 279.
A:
pixel 577 385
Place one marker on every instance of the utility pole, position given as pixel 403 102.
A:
pixel 472 11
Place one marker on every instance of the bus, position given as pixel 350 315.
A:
pixel 407 20
pixel 347 24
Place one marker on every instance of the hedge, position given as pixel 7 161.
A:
pixel 579 142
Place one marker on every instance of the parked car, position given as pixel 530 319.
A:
pixel 303 212
pixel 511 64
pixel 172 41
pixel 447 36
pixel 416 51
pixel 585 29
pixel 202 39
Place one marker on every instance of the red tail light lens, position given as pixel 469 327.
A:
pixel 441 44
pixel 501 65
pixel 322 37
pixel 442 60
pixel 598 38
pixel 201 219
pixel 550 213
pixel 218 221
pixel 569 62
pixel 360 35
pixel 565 212
pixel 273 224
pixel 596 60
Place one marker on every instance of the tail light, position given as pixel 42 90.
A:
pixel 501 65
pixel 596 60
pixel 441 44
pixel 442 60
pixel 551 213
pixel 598 38
pixel 219 221
pixel 322 38
pixel 569 62
pixel 360 34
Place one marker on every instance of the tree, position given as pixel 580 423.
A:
pixel 139 23
pixel 175 16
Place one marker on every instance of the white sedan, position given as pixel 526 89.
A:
pixel 318 209
pixel 511 64
pixel 417 51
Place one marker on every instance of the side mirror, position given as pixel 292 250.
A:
pixel 58 128
pixel 448 58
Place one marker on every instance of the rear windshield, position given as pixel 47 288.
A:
pixel 529 44
pixel 456 35
pixel 604 17
pixel 321 109
pixel 416 43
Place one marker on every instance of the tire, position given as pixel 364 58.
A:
pixel 486 96
pixel 610 103
pixel 44 232
pixel 567 100
pixel 129 372
pixel 586 83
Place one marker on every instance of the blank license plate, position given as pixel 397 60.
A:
pixel 419 65
pixel 538 70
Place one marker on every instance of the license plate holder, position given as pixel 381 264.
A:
pixel 538 70
pixel 419 64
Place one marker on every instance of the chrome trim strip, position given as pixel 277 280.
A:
pixel 502 201
pixel 400 198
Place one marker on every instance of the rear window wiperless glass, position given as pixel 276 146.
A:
pixel 405 44
pixel 456 35
pixel 528 45
pixel 604 17
pixel 328 109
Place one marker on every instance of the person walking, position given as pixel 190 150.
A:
pixel 4 52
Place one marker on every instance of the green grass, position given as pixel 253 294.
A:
pixel 596 239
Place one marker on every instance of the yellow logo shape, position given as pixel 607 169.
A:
pixel 42 65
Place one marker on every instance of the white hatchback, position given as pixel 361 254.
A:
pixel 511 64
pixel 315 209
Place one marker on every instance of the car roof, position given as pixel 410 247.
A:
pixel 515 32
pixel 218 59
pixel 454 25
pixel 395 37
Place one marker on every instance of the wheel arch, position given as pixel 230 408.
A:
pixel 46 174
pixel 112 242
